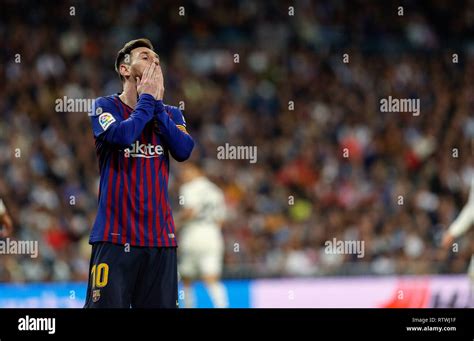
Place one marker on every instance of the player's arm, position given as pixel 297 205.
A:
pixel 173 131
pixel 5 221
pixel 124 133
pixel 462 223
pixel 220 214
pixel 189 205
pixel 183 216
pixel 187 214
pixel 106 124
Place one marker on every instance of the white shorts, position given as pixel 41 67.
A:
pixel 200 251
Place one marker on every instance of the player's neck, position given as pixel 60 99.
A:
pixel 129 95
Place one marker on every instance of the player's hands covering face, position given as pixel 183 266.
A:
pixel 151 82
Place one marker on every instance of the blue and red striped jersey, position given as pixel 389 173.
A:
pixel 133 147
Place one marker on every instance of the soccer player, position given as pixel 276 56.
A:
pixel 6 225
pixel 133 260
pixel 460 226
pixel 201 248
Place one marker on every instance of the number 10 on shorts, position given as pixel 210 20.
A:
pixel 99 275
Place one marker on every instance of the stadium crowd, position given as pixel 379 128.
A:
pixel 304 89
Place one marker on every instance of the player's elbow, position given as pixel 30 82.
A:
pixel 182 154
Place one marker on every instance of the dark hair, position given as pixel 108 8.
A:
pixel 126 49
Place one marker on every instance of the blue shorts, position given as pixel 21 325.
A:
pixel 132 277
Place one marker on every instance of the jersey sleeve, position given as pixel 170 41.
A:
pixel 465 219
pixel 3 209
pixel 191 197
pixel 207 201
pixel 177 117
pixel 218 207
pixel 172 127
pixel 104 113
pixel 108 125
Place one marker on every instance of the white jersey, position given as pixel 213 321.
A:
pixel 3 209
pixel 206 200
pixel 201 242
pixel 466 218
pixel 462 224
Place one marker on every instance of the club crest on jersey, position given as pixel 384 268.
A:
pixel 95 295
pixel 105 120
pixel 144 150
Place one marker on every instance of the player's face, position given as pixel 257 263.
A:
pixel 141 58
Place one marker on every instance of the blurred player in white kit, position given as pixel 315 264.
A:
pixel 460 226
pixel 6 225
pixel 201 245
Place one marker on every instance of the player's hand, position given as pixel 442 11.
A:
pixel 161 83
pixel 7 224
pixel 149 83
pixel 447 240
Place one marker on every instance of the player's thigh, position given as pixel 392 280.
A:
pixel 188 262
pixel 210 255
pixel 111 276
pixel 211 263
pixel 157 281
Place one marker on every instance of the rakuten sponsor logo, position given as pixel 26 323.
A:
pixel 144 150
